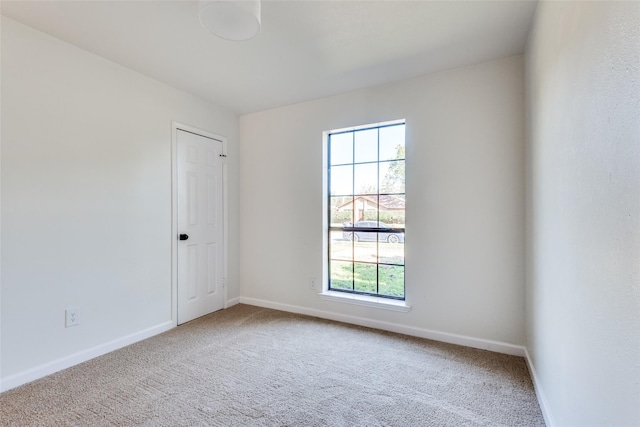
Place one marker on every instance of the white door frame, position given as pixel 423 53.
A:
pixel 175 126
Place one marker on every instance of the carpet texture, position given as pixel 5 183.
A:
pixel 250 366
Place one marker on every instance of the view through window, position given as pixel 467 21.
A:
pixel 366 201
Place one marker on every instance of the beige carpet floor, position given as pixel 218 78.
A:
pixel 250 366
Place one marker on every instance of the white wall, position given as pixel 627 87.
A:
pixel 465 198
pixel 583 211
pixel 86 197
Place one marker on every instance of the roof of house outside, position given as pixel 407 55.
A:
pixel 386 201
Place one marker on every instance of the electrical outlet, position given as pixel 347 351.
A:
pixel 313 282
pixel 72 317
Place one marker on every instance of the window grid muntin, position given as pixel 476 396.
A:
pixel 353 196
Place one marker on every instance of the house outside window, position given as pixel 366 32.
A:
pixel 366 210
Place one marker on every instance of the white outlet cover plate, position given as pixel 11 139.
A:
pixel 72 317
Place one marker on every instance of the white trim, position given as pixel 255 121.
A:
pixel 542 400
pixel 232 302
pixel 225 218
pixel 49 368
pixel 483 344
pixel 366 300
pixel 175 126
pixel 174 223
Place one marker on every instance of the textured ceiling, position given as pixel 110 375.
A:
pixel 306 49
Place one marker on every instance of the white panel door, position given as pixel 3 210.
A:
pixel 200 226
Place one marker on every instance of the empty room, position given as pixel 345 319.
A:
pixel 320 213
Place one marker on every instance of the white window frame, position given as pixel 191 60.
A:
pixel 343 297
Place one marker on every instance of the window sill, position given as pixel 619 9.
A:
pixel 365 300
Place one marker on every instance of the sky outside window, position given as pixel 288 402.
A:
pixel 362 147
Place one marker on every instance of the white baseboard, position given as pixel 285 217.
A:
pixel 542 400
pixel 232 302
pixel 49 368
pixel 495 346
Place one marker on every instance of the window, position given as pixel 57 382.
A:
pixel 366 210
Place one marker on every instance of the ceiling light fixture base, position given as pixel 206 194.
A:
pixel 235 20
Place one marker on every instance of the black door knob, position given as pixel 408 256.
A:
pixel 183 237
